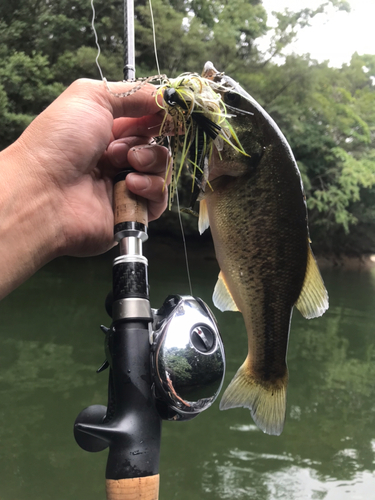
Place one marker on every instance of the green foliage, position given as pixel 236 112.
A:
pixel 28 83
pixel 328 117
pixel 327 114
pixel 79 64
pixel 27 87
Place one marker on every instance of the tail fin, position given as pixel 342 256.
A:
pixel 266 401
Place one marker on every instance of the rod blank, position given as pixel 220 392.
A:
pixel 129 43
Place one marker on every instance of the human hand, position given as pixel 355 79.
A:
pixel 58 174
pixel 79 142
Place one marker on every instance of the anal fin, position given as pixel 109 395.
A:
pixel 203 222
pixel 222 298
pixel 313 299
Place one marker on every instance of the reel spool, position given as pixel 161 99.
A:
pixel 188 360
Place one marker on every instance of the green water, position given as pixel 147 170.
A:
pixel 51 345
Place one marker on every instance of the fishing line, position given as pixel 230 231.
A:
pixel 184 243
pixel 176 190
pixel 134 90
pixel 154 38
pixel 96 40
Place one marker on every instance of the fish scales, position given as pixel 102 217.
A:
pixel 264 274
pixel 258 218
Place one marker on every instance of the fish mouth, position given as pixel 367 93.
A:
pixel 211 73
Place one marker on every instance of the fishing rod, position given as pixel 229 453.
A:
pixel 129 41
pixel 144 349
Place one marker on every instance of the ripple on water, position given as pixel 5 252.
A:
pixel 232 481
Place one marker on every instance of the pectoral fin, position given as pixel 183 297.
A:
pixel 222 297
pixel 266 402
pixel 203 222
pixel 313 300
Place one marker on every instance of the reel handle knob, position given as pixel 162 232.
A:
pixel 90 417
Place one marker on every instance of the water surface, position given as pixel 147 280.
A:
pixel 51 345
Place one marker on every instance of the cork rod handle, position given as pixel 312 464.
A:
pixel 138 488
pixel 128 207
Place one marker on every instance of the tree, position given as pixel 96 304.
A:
pixel 327 114
pixel 328 117
pixel 44 46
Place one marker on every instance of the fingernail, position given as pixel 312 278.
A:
pixel 139 181
pixel 145 156
pixel 120 152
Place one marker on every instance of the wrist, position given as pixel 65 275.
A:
pixel 29 233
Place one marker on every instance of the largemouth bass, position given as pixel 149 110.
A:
pixel 257 213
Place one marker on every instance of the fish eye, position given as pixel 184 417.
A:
pixel 232 98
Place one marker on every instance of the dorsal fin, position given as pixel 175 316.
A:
pixel 222 298
pixel 313 299
pixel 203 222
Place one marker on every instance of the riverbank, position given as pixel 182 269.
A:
pixel 345 262
pixel 201 249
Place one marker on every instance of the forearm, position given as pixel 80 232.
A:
pixel 29 235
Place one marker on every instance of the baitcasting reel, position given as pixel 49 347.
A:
pixel 187 364
pixel 163 364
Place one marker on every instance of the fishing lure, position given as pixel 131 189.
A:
pixel 198 119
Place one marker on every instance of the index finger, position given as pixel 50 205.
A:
pixel 146 126
pixel 139 99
